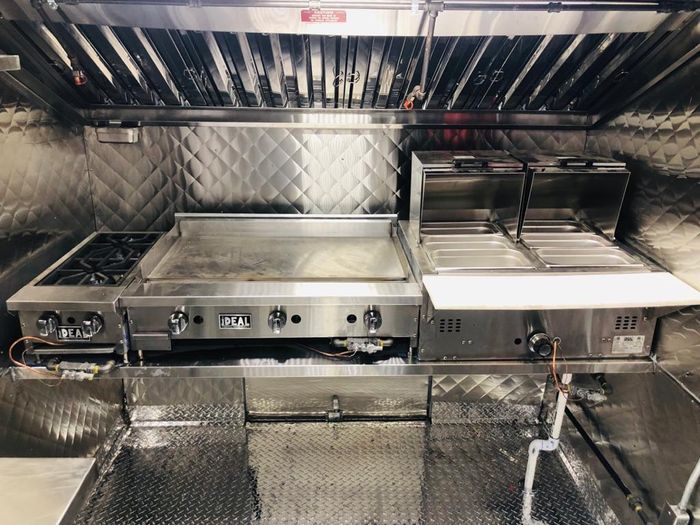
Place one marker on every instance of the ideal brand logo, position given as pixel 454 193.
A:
pixel 235 321
pixel 71 333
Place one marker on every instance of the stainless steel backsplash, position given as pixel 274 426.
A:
pixel 274 170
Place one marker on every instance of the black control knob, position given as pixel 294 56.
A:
pixel 540 344
pixel 177 322
pixel 47 324
pixel 276 321
pixel 92 325
pixel 373 321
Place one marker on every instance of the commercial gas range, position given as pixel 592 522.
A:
pixel 273 277
pixel 75 302
pixel 230 278
pixel 517 252
pixel 502 257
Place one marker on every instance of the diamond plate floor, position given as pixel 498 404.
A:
pixel 345 473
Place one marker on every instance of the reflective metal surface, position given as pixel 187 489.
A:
pixel 467 186
pixel 488 334
pixel 66 419
pixel 648 429
pixel 223 169
pixel 178 57
pixel 334 118
pixel 45 205
pixel 250 258
pixel 70 305
pixel 467 245
pixel 486 295
pixel 678 342
pixel 158 400
pixel 575 188
pixel 323 273
pixel 357 397
pixel 230 367
pixel 462 470
pixel 366 18
pixel 59 482
pixel 658 137
pixel 487 389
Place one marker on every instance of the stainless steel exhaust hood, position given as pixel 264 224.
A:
pixel 126 63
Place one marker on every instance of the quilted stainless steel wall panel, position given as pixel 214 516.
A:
pixel 43 175
pixel 650 426
pixel 64 419
pixel 228 169
pixel 45 204
pixel 659 137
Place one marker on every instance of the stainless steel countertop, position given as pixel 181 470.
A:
pixel 43 491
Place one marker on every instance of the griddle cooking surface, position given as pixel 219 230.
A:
pixel 281 259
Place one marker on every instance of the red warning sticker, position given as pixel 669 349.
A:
pixel 323 16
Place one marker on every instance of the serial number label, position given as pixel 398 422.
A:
pixel 71 333
pixel 628 344
pixel 235 321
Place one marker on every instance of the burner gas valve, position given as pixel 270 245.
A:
pixel 92 325
pixel 47 324
pixel 541 344
pixel 373 321
pixel 276 321
pixel 177 322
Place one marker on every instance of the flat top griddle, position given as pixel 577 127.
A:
pixel 251 258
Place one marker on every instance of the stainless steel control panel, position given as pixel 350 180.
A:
pixel 155 328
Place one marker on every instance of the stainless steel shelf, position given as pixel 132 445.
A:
pixel 315 367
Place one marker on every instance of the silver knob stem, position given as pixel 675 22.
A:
pixel 373 321
pixel 47 324
pixel 276 321
pixel 177 322
pixel 92 325
pixel 540 344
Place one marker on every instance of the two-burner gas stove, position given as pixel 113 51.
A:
pixel 75 302
pixel 227 278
